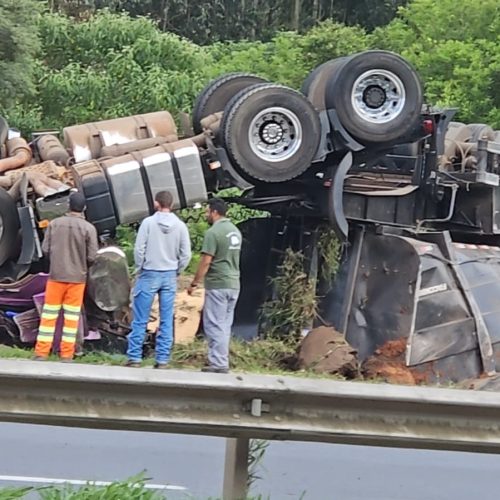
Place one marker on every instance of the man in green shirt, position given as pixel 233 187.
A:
pixel 220 267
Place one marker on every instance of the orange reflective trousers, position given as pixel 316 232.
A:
pixel 69 298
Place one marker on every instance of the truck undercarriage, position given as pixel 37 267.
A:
pixel 412 195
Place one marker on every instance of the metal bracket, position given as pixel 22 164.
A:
pixel 256 407
pixel 357 246
pixel 31 248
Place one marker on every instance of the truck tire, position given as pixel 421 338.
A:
pixel 314 86
pixel 4 132
pixel 9 227
pixel 377 96
pixel 480 131
pixel 214 97
pixel 271 133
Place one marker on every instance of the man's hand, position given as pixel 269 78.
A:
pixel 203 266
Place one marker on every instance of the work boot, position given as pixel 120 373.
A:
pixel 66 360
pixel 161 366
pixel 39 358
pixel 213 369
pixel 133 364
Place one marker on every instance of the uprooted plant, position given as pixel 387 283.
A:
pixel 294 305
pixel 329 251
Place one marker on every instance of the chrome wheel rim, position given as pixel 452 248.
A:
pixel 378 96
pixel 275 134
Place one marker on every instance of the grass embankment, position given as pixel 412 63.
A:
pixel 273 357
pixel 115 491
pixel 126 490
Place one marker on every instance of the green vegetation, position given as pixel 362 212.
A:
pixel 293 307
pixel 104 65
pixel 74 63
pixel 329 250
pixel 13 493
pixel 19 45
pixel 206 21
pixel 131 489
pixel 266 356
pixel 197 224
pixel 114 492
pixel 456 49
pixel 257 450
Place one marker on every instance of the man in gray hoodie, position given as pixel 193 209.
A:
pixel 162 251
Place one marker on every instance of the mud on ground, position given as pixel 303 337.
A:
pixel 187 311
pixel 388 364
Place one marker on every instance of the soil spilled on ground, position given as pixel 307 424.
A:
pixel 187 312
pixel 388 363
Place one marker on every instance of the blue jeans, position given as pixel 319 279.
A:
pixel 150 283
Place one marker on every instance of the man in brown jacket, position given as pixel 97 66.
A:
pixel 70 243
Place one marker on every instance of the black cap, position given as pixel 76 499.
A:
pixel 77 202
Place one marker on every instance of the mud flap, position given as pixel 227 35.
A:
pixel 336 214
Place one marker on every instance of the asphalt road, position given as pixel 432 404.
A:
pixel 192 465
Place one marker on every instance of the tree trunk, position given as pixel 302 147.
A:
pixel 315 12
pixel 164 15
pixel 255 8
pixel 297 5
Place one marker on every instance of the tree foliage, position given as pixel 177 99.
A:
pixel 101 65
pixel 110 65
pixel 455 46
pixel 208 21
pixel 18 47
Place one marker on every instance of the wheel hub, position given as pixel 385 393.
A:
pixel 272 133
pixel 275 134
pixel 374 97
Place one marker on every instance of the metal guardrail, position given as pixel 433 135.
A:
pixel 248 406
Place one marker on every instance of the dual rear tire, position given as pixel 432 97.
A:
pixel 272 133
pixel 377 95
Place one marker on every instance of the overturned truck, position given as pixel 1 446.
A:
pixel 412 194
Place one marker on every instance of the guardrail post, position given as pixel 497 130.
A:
pixel 236 469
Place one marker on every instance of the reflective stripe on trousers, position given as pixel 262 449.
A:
pixel 69 298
